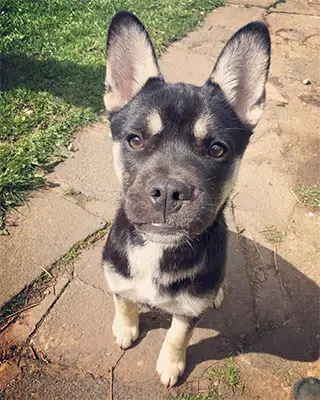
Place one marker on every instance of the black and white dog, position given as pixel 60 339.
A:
pixel 177 151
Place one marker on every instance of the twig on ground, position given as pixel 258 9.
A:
pixel 260 255
pixel 41 356
pixel 11 319
pixel 277 269
pixel 22 310
pixel 33 352
pixel 295 196
pixel 48 273
pixel 111 383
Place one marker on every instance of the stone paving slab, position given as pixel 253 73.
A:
pixel 249 3
pixel 77 332
pixel 306 7
pixel 43 231
pixel 89 176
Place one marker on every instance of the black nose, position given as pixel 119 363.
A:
pixel 167 195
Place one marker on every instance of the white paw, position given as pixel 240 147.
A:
pixel 170 368
pixel 219 298
pixel 125 335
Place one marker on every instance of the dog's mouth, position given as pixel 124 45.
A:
pixel 162 232
pixel 160 228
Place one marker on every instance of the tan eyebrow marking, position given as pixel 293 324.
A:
pixel 201 127
pixel 154 122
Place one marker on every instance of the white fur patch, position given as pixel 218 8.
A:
pixel 125 326
pixel 116 150
pixel 144 267
pixel 154 122
pixel 219 298
pixel 229 183
pixel 144 263
pixel 172 358
pixel 201 127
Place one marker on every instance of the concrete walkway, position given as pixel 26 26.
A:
pixel 63 347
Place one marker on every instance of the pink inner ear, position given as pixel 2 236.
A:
pixel 124 81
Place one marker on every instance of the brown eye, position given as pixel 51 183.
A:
pixel 135 142
pixel 217 150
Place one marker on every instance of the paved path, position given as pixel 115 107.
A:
pixel 270 318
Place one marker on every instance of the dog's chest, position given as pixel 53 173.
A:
pixel 144 263
pixel 146 277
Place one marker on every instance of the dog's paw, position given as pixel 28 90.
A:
pixel 219 298
pixel 125 335
pixel 170 368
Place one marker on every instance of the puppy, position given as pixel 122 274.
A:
pixel 177 150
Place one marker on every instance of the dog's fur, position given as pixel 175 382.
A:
pixel 167 245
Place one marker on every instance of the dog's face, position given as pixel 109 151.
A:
pixel 177 147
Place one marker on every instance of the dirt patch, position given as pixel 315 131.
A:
pixel 308 169
pixel 313 99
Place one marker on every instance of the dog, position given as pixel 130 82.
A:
pixel 177 150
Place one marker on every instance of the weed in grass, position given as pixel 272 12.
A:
pixel 193 397
pixel 52 66
pixel 227 374
pixel 13 305
pixel 274 5
pixel 84 244
pixel 273 235
pixel 309 195
pixel 222 380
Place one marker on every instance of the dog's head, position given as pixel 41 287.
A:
pixel 177 147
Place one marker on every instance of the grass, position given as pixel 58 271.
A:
pixel 273 235
pixel 309 195
pixel 52 65
pixel 222 381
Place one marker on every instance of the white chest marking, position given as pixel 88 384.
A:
pixel 144 264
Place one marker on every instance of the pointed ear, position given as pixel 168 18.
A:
pixel 131 60
pixel 242 69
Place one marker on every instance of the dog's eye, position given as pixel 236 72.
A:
pixel 217 150
pixel 135 142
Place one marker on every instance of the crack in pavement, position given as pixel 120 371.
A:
pixel 44 316
pixel 292 13
pixel 90 285
pixel 247 264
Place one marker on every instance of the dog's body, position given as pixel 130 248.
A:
pixel 180 279
pixel 177 151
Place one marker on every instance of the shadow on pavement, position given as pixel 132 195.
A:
pixel 273 312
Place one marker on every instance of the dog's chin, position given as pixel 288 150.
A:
pixel 162 233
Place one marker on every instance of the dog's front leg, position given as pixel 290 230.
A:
pixel 125 326
pixel 172 358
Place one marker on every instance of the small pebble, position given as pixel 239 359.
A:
pixel 306 82
pixel 310 214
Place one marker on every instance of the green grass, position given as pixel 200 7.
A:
pixel 309 195
pixel 273 235
pixel 222 381
pixel 51 75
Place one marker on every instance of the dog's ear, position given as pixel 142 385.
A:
pixel 131 60
pixel 242 69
